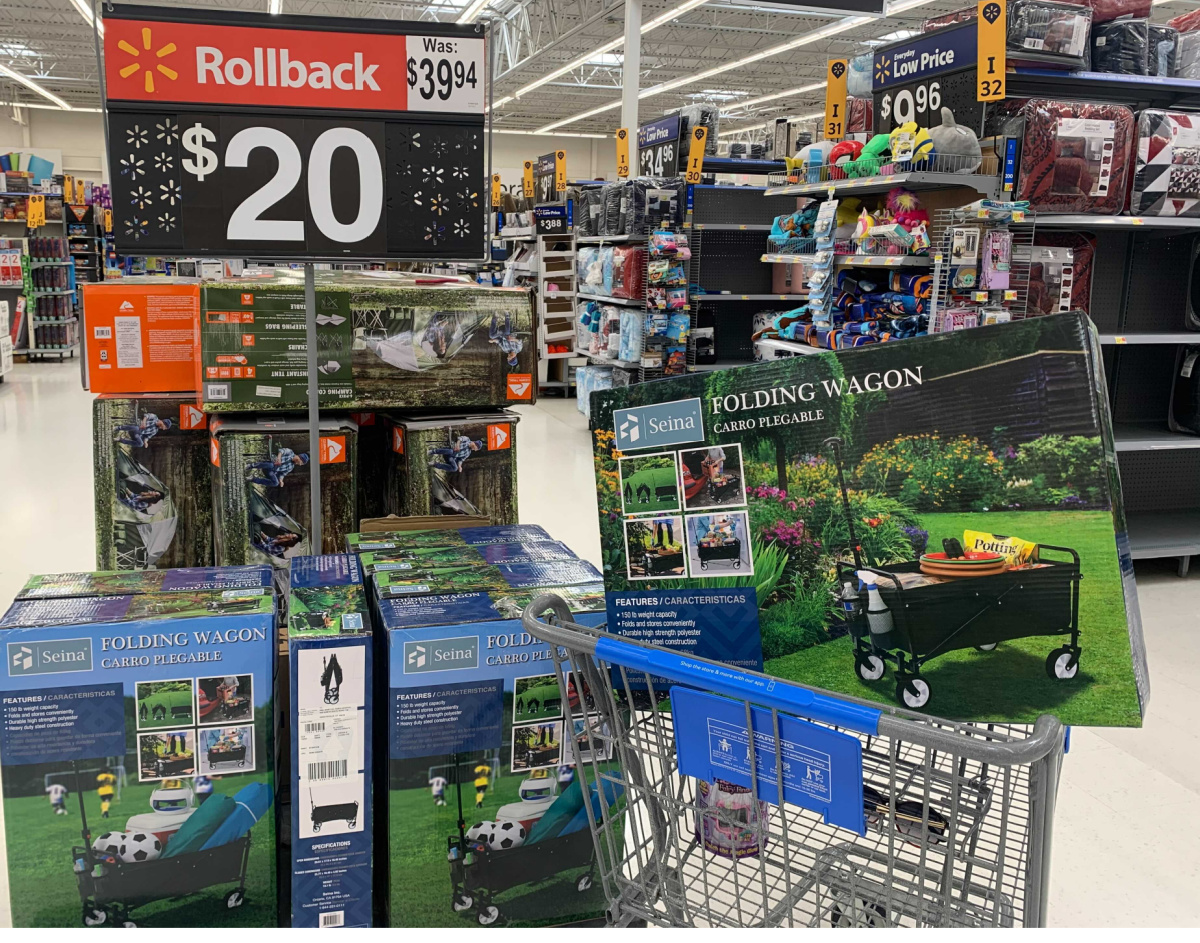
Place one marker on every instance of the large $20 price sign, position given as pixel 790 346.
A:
pixel 294 137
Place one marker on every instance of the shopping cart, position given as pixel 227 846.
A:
pixel 937 823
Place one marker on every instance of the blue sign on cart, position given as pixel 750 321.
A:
pixel 822 768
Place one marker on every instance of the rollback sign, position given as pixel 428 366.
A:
pixel 297 137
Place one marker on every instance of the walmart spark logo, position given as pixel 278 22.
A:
pixel 883 69
pixel 145 65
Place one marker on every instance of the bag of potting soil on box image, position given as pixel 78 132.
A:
pixel 870 496
pixel 136 757
pixel 152 482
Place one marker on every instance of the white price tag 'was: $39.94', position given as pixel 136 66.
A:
pixel 445 74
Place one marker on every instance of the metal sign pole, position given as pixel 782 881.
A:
pixel 314 409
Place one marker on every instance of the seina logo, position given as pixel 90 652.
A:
pixel 54 656
pixel 631 429
pixel 675 423
pixel 444 654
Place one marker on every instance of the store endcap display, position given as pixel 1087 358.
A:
pixel 879 477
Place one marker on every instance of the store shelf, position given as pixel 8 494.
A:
pixel 873 261
pixel 45 292
pixel 50 263
pixel 699 297
pixel 730 227
pixel 608 299
pixel 562 356
pixel 792 347
pixel 594 240
pixel 1072 221
pixel 719 365
pixel 1183 337
pixel 913 180
pixel 607 361
pixel 1138 90
pixel 742 165
pixel 1157 534
pixel 517 232
pixel 55 320
pixel 1145 437
pixel 556 294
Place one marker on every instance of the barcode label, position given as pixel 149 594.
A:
pixel 327 769
pixel 318 727
pixel 335 918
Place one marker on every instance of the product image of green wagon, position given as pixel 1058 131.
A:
pixel 111 890
pixel 929 619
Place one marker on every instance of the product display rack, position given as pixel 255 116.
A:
pixel 584 297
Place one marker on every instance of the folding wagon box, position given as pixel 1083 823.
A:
pixel 383 341
pixel 138 582
pixel 445 537
pixel 454 464
pixel 486 817
pixel 936 523
pixel 135 762
pixel 153 481
pixel 261 494
pixel 331 656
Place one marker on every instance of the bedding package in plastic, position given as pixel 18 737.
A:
pixel 1166 180
pixel 1049 27
pixel 1187 61
pixel 1121 46
pixel 587 381
pixel 707 116
pixel 1075 156
pixel 1164 50
pixel 1060 272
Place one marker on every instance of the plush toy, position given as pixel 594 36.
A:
pixel 957 146
pixel 842 152
pixel 815 157
pixel 919 140
pixel 905 208
pixel 872 157
pixel 847 216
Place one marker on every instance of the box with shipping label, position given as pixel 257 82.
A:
pixel 140 335
pixel 153 482
pixel 384 340
pixel 936 523
pixel 261 494
pixel 460 464
pixel 331 651
pixel 136 764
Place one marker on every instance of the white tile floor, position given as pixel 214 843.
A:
pixel 1125 841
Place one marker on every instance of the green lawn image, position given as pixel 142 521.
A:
pixel 649 484
pixel 43 885
pixel 161 704
pixel 1010 682
pixel 536 698
pixel 420 874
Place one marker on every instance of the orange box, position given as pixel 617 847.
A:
pixel 141 337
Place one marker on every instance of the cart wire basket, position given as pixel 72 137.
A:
pixel 938 823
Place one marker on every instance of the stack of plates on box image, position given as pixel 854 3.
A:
pixel 971 563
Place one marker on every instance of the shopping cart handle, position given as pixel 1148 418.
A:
pixel 759 689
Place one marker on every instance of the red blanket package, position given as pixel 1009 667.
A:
pixel 629 272
pixel 859 115
pixel 1060 273
pixel 1105 10
pixel 1075 157
pixel 1186 22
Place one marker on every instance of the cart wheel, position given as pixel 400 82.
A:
pixel 704 564
pixel 487 916
pixel 316 827
pixel 235 898
pixel 584 883
pixel 1062 664
pixel 462 902
pixel 351 823
pixel 241 763
pixel 869 667
pixel 129 925
pixel 737 564
pixel 93 917
pixel 912 691
pixel 987 648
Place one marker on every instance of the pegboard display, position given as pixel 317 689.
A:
pixel 1157 295
pixel 1142 383
pixel 742 205
pixel 728 261
pixel 1160 479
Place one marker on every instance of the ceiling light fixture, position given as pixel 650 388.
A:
pixel 33 86
pixel 85 10
pixel 274 7
pixel 42 107
pixel 764 124
pixel 561 134
pixel 800 90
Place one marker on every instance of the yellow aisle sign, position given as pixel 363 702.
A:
pixel 68 188
pixel 695 162
pixel 990 43
pixel 495 189
pixel 108 220
pixel 35 214
pixel 835 99
pixel 527 179
pixel 622 152
pixel 560 171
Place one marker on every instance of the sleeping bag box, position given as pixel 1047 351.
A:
pixel 331 661
pixel 136 759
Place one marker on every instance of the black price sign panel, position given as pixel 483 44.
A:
pixel 544 179
pixel 658 147
pixel 551 220
pixel 294 137
pixel 914 79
